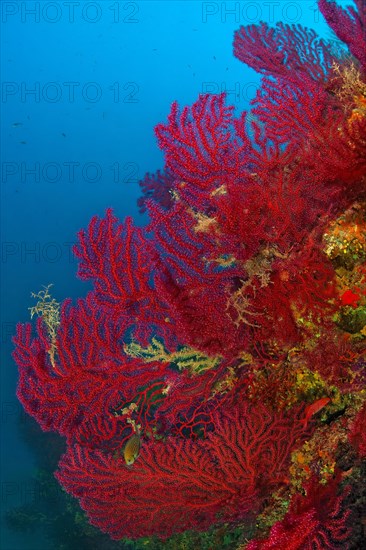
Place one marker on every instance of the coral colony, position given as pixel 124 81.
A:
pixel 215 374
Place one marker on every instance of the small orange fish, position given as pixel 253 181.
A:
pixel 313 409
pixel 132 449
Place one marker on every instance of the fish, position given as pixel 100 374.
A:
pixel 313 409
pixel 16 124
pixel 132 449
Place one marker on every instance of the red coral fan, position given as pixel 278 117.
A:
pixel 349 25
pixel 229 275
pixel 287 51
pixel 315 522
pixel 84 394
pixel 357 434
pixel 91 378
pixel 212 242
pixel 298 101
pixel 338 359
pixel 156 186
pixel 191 485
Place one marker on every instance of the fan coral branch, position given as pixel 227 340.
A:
pixel 190 484
pixel 349 25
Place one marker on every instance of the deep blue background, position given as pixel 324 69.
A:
pixel 154 53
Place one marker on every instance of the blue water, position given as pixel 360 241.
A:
pixel 81 94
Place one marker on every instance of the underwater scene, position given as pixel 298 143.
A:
pixel 183 294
